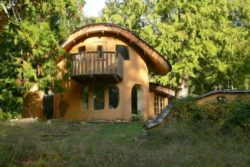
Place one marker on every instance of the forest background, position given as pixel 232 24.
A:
pixel 207 42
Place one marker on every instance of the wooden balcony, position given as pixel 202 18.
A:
pixel 99 66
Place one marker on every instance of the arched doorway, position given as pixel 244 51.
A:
pixel 136 99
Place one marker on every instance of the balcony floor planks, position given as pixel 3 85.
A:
pixel 103 78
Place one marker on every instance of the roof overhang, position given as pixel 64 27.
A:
pixel 162 90
pixel 160 64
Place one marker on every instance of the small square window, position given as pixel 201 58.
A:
pixel 100 50
pixel 221 99
pixel 81 49
pixel 123 51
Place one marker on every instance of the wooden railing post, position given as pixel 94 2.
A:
pixel 102 66
pixel 107 63
pixel 98 64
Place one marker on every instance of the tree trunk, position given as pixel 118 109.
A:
pixel 182 90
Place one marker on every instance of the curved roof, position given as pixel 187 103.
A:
pixel 160 64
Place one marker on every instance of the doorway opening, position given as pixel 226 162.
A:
pixel 48 104
pixel 137 99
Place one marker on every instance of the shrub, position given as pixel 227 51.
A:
pixel 137 117
pixel 9 99
pixel 183 108
pixel 9 115
pixel 4 115
pixel 239 116
pixel 226 117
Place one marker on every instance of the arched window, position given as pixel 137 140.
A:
pixel 113 97
pixel 85 98
pixel 137 99
pixel 98 98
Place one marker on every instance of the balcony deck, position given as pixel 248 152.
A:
pixel 97 66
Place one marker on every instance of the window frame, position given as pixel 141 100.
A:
pixel 221 99
pixel 99 49
pixel 117 98
pixel 125 57
pixel 81 49
pixel 159 103
pixel 85 98
pixel 94 98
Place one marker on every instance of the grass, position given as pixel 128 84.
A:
pixel 58 143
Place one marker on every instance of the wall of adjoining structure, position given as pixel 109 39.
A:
pixel 211 100
pixel 33 105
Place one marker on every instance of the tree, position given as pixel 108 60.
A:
pixel 30 36
pixel 205 41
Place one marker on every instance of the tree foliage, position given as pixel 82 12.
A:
pixel 205 41
pixel 30 35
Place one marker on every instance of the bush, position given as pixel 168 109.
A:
pixel 10 104
pixel 137 117
pixel 183 108
pixel 239 116
pixel 226 117
pixel 4 115
pixel 186 110
pixel 8 115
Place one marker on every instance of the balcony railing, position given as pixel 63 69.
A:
pixel 105 66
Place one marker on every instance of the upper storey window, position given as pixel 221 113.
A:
pixel 100 50
pixel 123 51
pixel 81 49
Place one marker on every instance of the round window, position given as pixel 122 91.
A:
pixel 221 99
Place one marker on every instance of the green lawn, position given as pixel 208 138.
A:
pixel 59 143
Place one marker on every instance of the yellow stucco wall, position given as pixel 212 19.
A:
pixel 33 105
pixel 135 72
pixel 151 105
